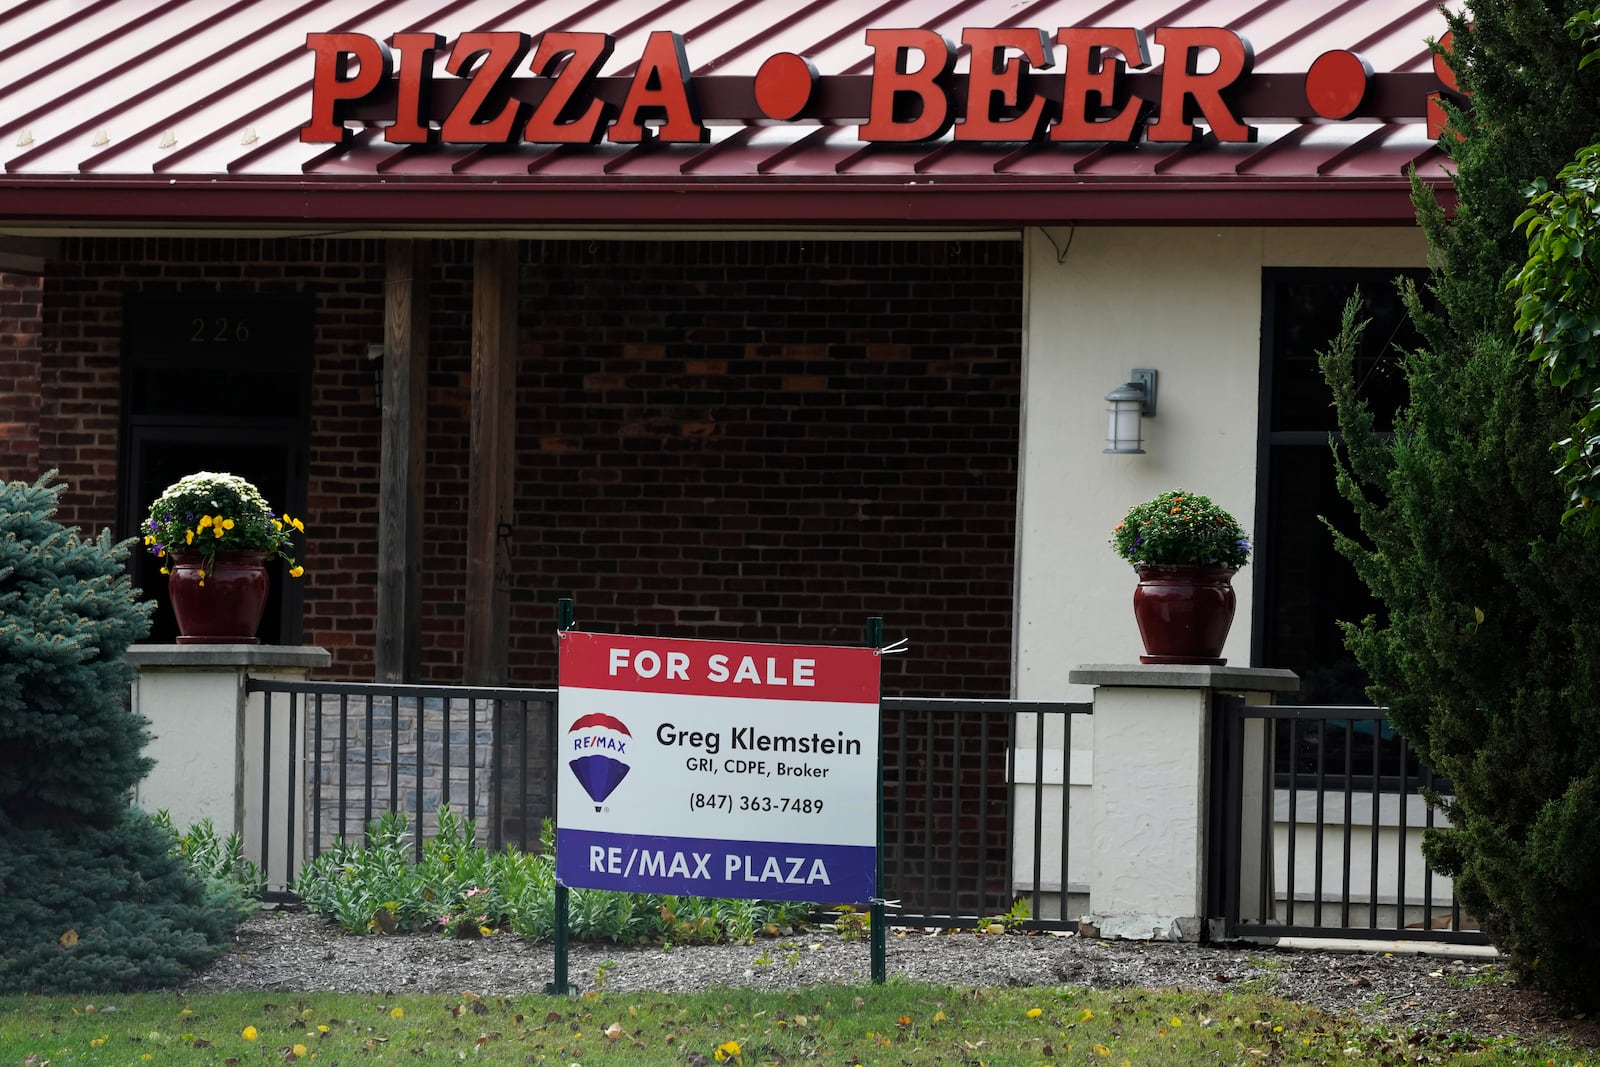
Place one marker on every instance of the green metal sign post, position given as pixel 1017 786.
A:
pixel 880 962
pixel 559 986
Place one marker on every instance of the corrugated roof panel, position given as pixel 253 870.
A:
pixel 157 93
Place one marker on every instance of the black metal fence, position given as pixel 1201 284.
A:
pixel 1319 811
pixel 368 749
pixel 977 817
pixel 1315 811
pixel 957 825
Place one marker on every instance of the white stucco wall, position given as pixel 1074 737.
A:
pixel 1186 301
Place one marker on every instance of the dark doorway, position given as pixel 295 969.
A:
pixel 219 383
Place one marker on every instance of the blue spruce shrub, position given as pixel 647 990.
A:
pixel 94 897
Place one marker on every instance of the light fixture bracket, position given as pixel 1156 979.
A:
pixel 1145 378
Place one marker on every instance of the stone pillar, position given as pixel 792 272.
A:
pixel 209 743
pixel 1149 833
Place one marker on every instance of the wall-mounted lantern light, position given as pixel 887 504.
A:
pixel 1126 405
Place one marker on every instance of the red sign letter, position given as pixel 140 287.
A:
pixel 488 91
pixel 998 85
pixel 558 119
pixel 416 73
pixel 332 84
pixel 1089 71
pixel 1438 118
pixel 660 89
pixel 908 106
pixel 1187 94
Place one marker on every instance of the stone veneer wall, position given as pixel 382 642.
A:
pixel 403 753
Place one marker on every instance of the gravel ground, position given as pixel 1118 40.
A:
pixel 291 950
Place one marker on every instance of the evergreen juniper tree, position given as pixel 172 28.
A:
pixel 93 897
pixel 1488 655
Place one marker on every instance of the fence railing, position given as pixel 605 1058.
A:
pixel 372 748
pixel 1321 812
pixel 955 829
pixel 965 838
pixel 1316 812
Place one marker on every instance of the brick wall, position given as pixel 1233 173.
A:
pixel 19 377
pixel 772 441
pixel 762 440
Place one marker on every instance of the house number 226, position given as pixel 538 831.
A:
pixel 225 330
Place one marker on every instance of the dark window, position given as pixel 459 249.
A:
pixel 1304 588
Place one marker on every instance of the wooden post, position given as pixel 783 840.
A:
pixel 398 656
pixel 491 487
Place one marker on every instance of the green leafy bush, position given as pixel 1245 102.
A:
pixel 93 897
pixel 459 887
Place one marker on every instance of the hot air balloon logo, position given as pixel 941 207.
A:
pixel 596 741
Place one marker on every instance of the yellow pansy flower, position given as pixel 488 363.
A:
pixel 296 571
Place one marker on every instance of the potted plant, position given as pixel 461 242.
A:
pixel 1186 550
pixel 214 534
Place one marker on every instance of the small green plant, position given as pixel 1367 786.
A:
pixel 1015 917
pixel 602 974
pixel 1486 975
pixel 219 862
pixel 372 887
pixel 850 924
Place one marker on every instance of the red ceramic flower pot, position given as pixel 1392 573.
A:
pixel 227 608
pixel 1184 612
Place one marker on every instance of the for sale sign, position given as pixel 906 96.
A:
pixel 710 768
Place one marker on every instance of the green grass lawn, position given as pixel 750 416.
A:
pixel 896 1024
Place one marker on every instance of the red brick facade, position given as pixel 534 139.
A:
pixel 765 440
pixel 19 377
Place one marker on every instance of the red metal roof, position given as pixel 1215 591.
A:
pixel 161 112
